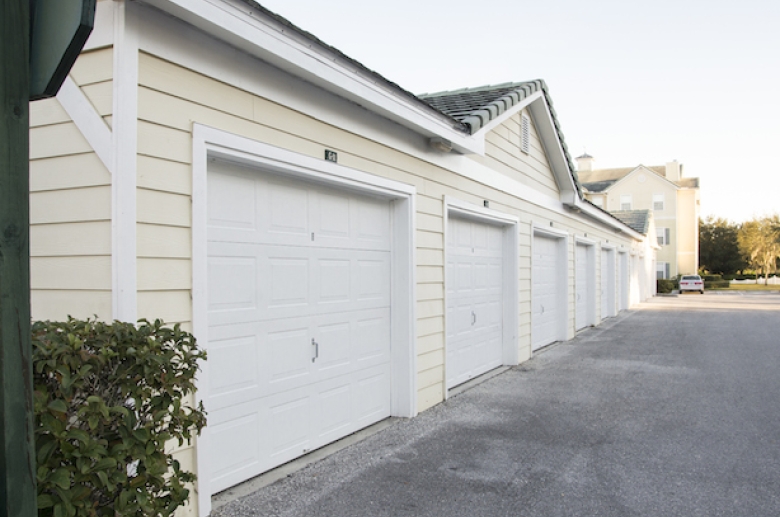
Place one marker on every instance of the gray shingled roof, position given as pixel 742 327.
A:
pixel 469 109
pixel 476 107
pixel 598 186
pixel 600 180
pixel 638 220
pixel 456 124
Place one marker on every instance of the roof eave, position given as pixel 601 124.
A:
pixel 590 210
pixel 255 31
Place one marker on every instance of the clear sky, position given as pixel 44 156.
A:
pixel 632 83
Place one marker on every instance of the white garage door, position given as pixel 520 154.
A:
pixel 583 290
pixel 622 286
pixel 547 308
pixel 299 318
pixel 607 284
pixel 474 299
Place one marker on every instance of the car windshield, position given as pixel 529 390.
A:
pixel 691 277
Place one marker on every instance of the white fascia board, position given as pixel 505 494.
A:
pixel 545 126
pixel 514 110
pixel 244 28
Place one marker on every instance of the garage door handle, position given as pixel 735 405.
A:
pixel 473 318
pixel 316 350
pixel 542 309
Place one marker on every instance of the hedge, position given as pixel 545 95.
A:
pixel 665 286
pixel 108 398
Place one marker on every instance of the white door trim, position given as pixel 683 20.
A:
pixel 210 143
pixel 510 273
pixel 563 281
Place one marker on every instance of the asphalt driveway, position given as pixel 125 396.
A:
pixel 672 409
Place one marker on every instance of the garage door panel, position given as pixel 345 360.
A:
pixel 334 342
pixel 289 355
pixel 333 279
pixel 372 273
pixel 271 282
pixel 546 311
pixel 607 284
pixel 248 207
pixel 299 318
pixel 582 294
pixel 373 223
pixel 232 202
pixel 285 212
pixel 287 279
pixel 290 423
pixel 334 411
pixel 232 283
pixel 474 299
pixel 233 363
pixel 237 453
pixel 372 341
pixel 371 401
pixel 332 217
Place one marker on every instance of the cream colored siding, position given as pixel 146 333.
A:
pixel 67 172
pixel 156 241
pixel 642 185
pixel 164 175
pixel 47 112
pixel 57 140
pixel 70 205
pixel 94 67
pixel 503 154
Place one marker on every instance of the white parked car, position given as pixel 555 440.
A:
pixel 691 283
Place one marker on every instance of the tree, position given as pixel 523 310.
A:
pixel 719 250
pixel 759 242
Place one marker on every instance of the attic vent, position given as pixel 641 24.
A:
pixel 525 133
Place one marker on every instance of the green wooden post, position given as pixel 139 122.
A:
pixel 17 453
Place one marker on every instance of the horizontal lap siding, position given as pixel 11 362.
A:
pixel 70 203
pixel 504 155
pixel 172 98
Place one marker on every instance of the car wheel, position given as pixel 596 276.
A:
pixel 702 291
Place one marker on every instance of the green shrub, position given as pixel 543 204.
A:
pixel 664 286
pixel 108 398
pixel 711 278
pixel 717 284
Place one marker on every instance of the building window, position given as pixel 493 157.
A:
pixel 598 201
pixel 625 202
pixel 658 202
pixel 663 236
pixel 662 270
pixel 525 133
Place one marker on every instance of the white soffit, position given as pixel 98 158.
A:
pixel 247 29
